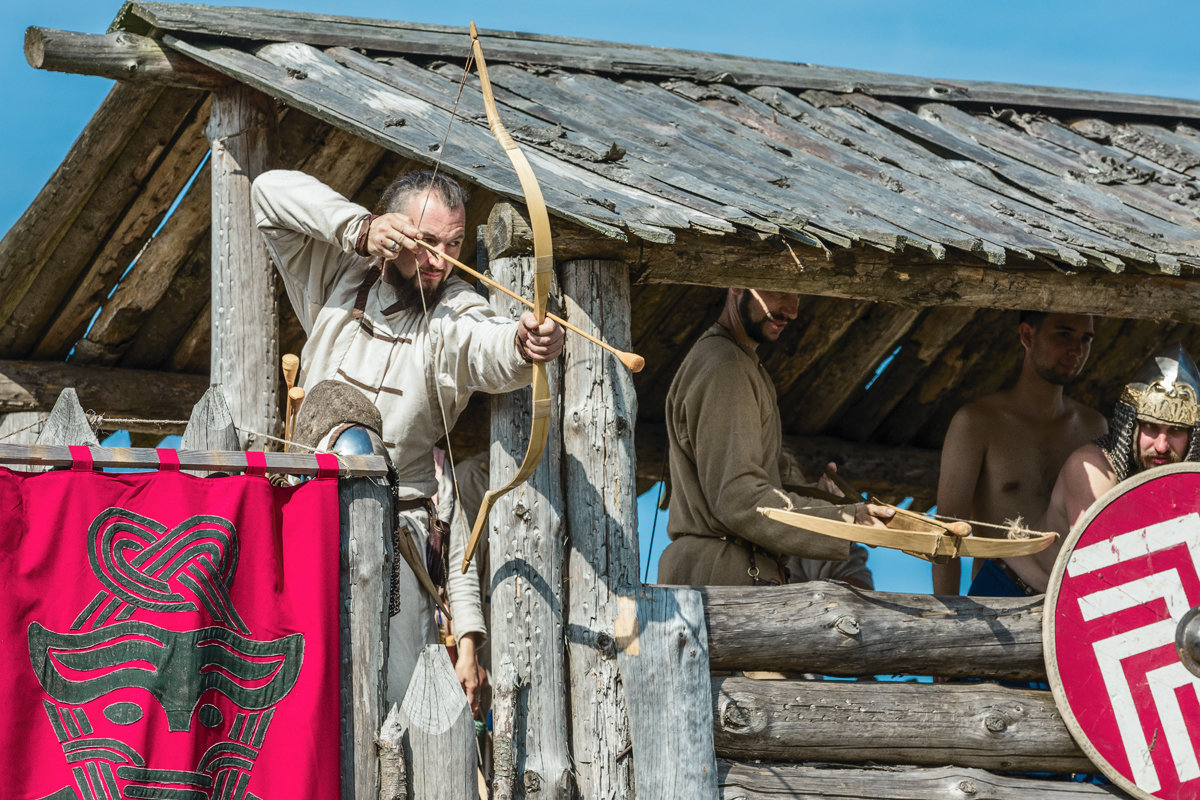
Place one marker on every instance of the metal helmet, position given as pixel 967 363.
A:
pixel 1166 390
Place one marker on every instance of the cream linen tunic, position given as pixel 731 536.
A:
pixel 310 231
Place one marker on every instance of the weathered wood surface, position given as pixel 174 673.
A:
pixel 22 427
pixel 66 426
pixel 439 734
pixel 122 393
pixel 210 427
pixel 663 655
pixel 830 628
pixel 526 534
pixel 599 411
pixel 74 214
pixel 120 56
pixel 978 725
pixel 393 771
pixel 941 284
pixel 749 781
pixel 365 563
pixel 507 689
pixel 245 329
pixel 70 417
pixel 447 42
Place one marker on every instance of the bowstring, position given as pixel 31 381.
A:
pixel 462 83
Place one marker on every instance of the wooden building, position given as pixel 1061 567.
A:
pixel 915 216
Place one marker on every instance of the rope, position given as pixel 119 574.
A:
pixel 31 425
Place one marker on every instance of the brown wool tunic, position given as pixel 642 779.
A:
pixel 726 438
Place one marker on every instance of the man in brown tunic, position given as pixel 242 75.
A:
pixel 725 436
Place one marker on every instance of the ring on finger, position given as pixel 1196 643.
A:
pixel 395 245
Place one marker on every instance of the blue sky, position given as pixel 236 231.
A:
pixel 1137 48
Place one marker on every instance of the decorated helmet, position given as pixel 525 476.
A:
pixel 1166 390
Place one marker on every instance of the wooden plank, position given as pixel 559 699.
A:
pixel 757 781
pixel 245 354
pixel 342 103
pixel 921 349
pixel 365 570
pixel 599 411
pixel 31 242
pixel 816 401
pixel 921 724
pixel 148 457
pixel 965 181
pixel 829 628
pixel 450 42
pixel 902 167
pixel 22 427
pixel 150 397
pixel 504 757
pixel 1107 212
pixel 663 655
pixel 120 56
pixel 182 155
pixel 439 734
pixel 526 534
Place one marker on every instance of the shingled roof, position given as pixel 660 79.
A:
pixel 947 200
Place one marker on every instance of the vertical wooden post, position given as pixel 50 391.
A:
pixel 210 427
pixel 67 424
pixel 22 427
pixel 526 562
pixel 366 576
pixel 245 348
pixel 439 738
pixel 599 410
pixel 663 644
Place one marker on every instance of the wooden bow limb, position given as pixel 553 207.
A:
pixel 916 535
pixel 543 252
pixel 632 361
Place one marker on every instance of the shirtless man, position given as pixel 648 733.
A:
pixel 1003 452
pixel 1153 424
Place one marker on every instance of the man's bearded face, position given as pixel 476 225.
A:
pixel 1159 444
pixel 758 324
pixel 443 228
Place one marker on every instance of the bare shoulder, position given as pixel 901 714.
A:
pixel 1086 465
pixel 1089 418
pixel 982 412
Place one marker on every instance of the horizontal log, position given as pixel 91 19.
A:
pixel 861 273
pixel 742 781
pixel 983 726
pixel 890 473
pixel 833 629
pixel 128 394
pixel 120 56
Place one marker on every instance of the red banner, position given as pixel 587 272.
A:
pixel 166 636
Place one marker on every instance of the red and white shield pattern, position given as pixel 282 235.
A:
pixel 1125 577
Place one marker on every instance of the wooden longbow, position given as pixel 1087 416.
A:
pixel 543 252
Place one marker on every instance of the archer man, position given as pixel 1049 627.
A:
pixel 385 316
pixel 725 437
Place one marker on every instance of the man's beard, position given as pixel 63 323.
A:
pixel 753 329
pixel 1054 376
pixel 411 289
pixel 1145 460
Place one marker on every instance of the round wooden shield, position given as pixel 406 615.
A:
pixel 1120 643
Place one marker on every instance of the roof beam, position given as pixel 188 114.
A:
pixel 150 397
pixel 864 273
pixel 120 56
